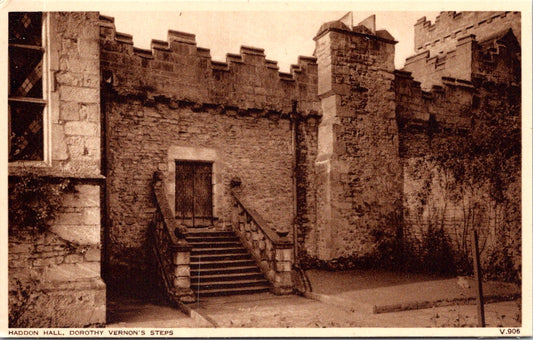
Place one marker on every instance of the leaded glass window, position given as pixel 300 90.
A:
pixel 26 96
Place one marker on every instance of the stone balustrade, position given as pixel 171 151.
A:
pixel 171 249
pixel 270 248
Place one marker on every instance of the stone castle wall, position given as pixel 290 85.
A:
pixel 442 35
pixel 449 47
pixel 306 184
pixel 175 103
pixel 448 111
pixel 64 262
pixel 357 169
pixel 331 146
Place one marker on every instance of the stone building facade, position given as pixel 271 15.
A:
pixel 323 153
pixel 64 262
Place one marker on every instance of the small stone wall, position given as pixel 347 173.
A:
pixel 272 251
pixel 468 59
pixel 180 70
pixel 60 267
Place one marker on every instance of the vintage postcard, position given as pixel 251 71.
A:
pixel 240 169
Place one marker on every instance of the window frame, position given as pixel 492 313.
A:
pixel 46 90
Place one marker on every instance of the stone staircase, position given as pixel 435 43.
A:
pixel 220 265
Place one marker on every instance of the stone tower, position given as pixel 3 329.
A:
pixel 358 167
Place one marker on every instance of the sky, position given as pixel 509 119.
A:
pixel 283 34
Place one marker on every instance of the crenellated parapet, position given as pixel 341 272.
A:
pixel 446 93
pixel 428 68
pixel 496 56
pixel 442 35
pixel 449 103
pixel 444 110
pixel 180 71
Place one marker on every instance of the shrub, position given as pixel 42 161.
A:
pixel 35 201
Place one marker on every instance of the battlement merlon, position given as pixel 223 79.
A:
pixel 338 45
pixel 185 43
pixel 179 69
pixel 338 26
pixel 468 55
pixel 450 25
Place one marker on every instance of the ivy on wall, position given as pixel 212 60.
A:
pixel 35 201
pixel 477 170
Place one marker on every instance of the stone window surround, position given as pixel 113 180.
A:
pixel 199 154
pixel 51 100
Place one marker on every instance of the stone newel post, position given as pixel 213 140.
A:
pixel 284 259
pixel 182 271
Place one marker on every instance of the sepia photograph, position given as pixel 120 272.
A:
pixel 300 168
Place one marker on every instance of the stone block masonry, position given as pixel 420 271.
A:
pixel 174 103
pixel 447 112
pixel 305 153
pixel 442 35
pixel 179 70
pixel 61 267
pixel 358 168
pixel 449 47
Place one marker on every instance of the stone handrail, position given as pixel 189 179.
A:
pixel 171 249
pixel 272 250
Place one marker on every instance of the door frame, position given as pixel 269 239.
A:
pixel 195 165
pixel 195 154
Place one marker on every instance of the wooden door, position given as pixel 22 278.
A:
pixel 194 193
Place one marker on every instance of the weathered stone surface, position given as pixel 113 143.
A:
pixel 182 282
pixel 357 144
pixel 59 148
pixel 81 129
pixel 183 270
pixel 337 167
pixel 76 304
pixel 59 261
pixel 284 254
pixel 81 234
pixel 182 258
pixel 93 254
pixel 71 272
pixel 283 267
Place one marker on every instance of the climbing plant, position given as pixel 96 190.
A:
pixel 35 201
pixel 477 171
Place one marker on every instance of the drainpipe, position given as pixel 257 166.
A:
pixel 294 127
pixel 294 130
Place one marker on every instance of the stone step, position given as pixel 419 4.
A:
pixel 228 244
pixel 211 234
pixel 211 239
pixel 200 286
pixel 224 271
pixel 226 277
pixel 215 250
pixel 219 257
pixel 232 291
pixel 222 265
